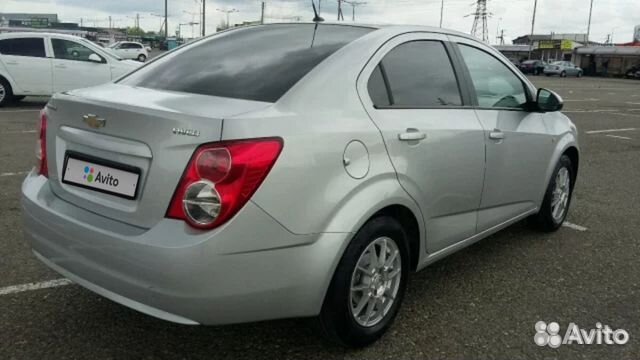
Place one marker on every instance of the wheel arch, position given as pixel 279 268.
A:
pixel 574 155
pixel 409 223
pixel 8 79
pixel 567 145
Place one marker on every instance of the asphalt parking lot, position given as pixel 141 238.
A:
pixel 480 303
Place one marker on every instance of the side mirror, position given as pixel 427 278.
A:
pixel 548 101
pixel 95 58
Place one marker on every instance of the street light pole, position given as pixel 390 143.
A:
pixel 204 16
pixel 166 24
pixel 589 25
pixel 227 11
pixel 441 11
pixel 533 23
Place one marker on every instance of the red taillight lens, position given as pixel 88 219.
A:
pixel 220 178
pixel 41 145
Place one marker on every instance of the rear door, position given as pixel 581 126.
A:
pixel 126 51
pixel 518 142
pixel 72 58
pixel 434 139
pixel 26 61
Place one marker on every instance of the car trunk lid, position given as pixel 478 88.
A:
pixel 150 131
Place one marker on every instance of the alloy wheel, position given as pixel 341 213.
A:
pixel 3 92
pixel 375 281
pixel 561 194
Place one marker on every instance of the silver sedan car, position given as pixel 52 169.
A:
pixel 293 170
pixel 562 69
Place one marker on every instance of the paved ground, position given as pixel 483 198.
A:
pixel 479 303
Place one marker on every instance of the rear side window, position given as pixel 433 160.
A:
pixel 255 63
pixel 33 47
pixel 418 74
pixel 378 88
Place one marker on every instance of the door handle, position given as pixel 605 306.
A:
pixel 496 134
pixel 59 66
pixel 11 63
pixel 412 135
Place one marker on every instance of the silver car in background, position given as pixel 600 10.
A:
pixel 293 170
pixel 563 69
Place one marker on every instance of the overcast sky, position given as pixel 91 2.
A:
pixel 514 16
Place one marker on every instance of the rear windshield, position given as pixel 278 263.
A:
pixel 254 63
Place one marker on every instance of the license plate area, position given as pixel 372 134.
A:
pixel 101 175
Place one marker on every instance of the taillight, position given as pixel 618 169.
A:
pixel 220 178
pixel 41 145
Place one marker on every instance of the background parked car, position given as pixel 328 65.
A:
pixel 535 67
pixel 633 72
pixel 43 63
pixel 130 50
pixel 563 69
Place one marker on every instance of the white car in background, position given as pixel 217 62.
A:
pixel 130 50
pixel 46 63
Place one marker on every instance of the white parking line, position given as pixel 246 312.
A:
pixel 591 99
pixel 623 114
pixel 13 173
pixel 574 226
pixel 21 110
pixel 589 111
pixel 619 137
pixel 34 286
pixel 20 132
pixel 609 130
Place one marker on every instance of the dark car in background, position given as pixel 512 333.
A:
pixel 633 72
pixel 535 67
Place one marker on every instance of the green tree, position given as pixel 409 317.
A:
pixel 135 31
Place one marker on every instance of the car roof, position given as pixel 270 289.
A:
pixel 392 28
pixel 12 35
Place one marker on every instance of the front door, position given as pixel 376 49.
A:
pixel 518 144
pixel 435 142
pixel 72 68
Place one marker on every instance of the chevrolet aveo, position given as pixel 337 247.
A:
pixel 293 170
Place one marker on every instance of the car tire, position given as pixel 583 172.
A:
pixel 142 58
pixel 6 93
pixel 377 285
pixel 558 194
pixel 536 72
pixel 563 74
pixel 579 74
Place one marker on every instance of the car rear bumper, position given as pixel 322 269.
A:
pixel 248 270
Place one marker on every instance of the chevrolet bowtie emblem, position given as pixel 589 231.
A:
pixel 94 121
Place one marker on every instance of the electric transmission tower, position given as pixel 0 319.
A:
pixel 480 28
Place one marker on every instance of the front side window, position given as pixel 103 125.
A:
pixel 418 74
pixel 32 47
pixel 495 85
pixel 70 50
pixel 254 63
